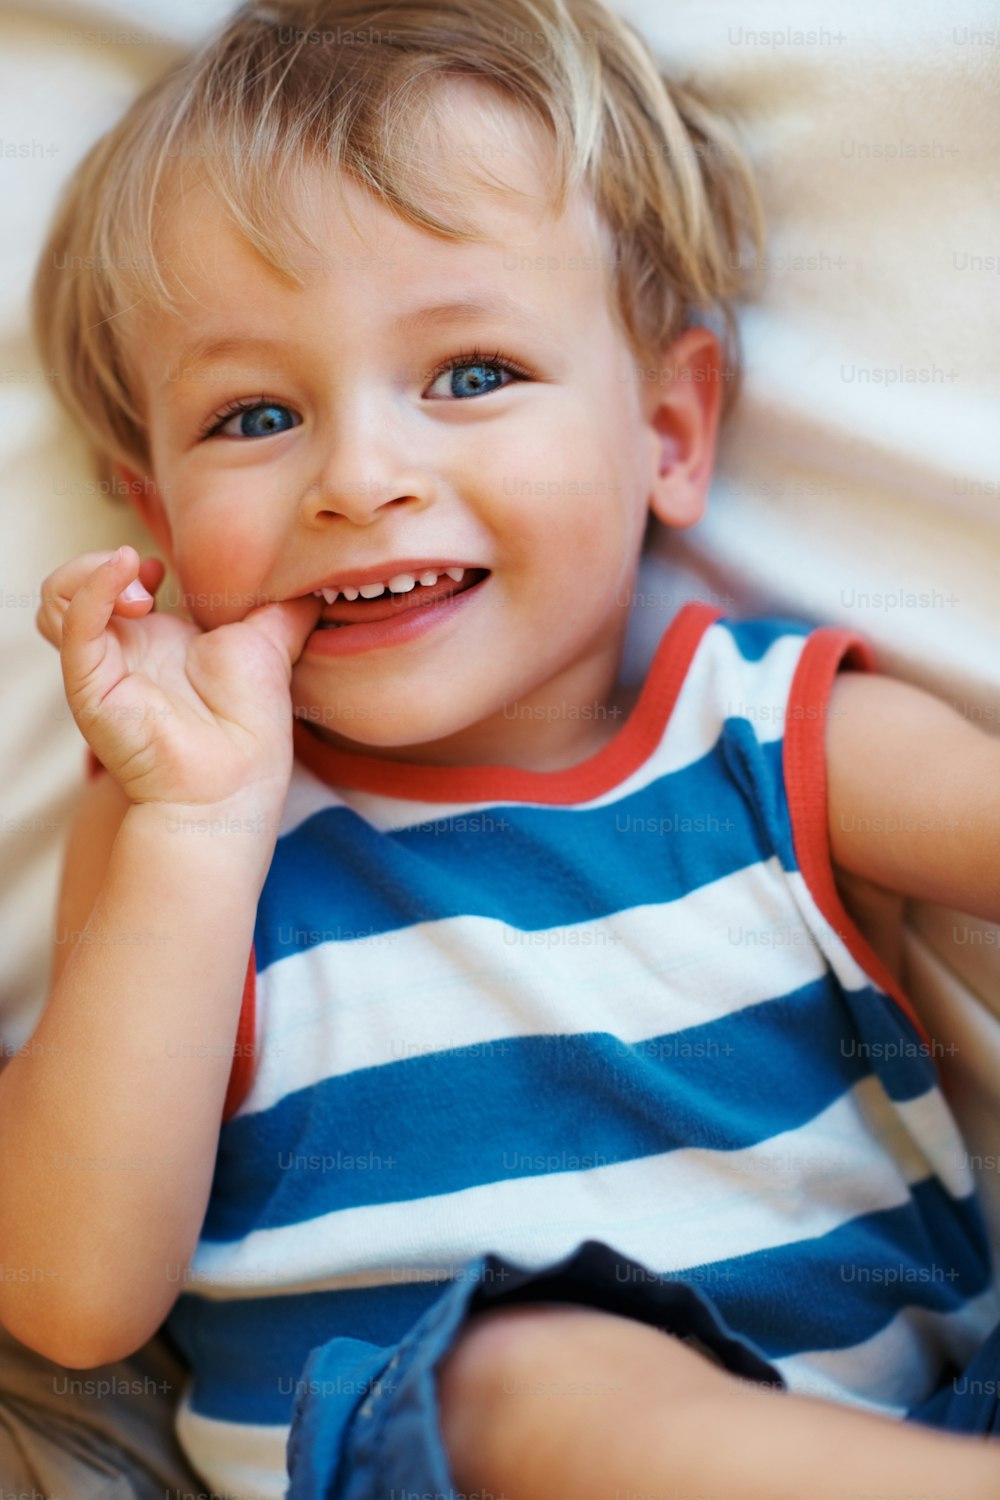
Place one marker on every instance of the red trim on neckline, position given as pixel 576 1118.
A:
pixel 606 768
pixel 804 760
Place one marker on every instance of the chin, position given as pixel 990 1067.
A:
pixel 374 726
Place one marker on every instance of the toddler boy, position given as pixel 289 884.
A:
pixel 556 1036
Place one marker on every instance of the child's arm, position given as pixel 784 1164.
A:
pixel 110 1119
pixel 913 794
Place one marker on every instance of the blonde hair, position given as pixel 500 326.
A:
pixel 287 82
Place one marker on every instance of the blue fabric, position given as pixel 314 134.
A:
pixel 968 1402
pixel 392 1443
pixel 670 1109
pixel 421 874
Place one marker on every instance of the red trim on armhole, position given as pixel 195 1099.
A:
pixel 244 1056
pixel 804 758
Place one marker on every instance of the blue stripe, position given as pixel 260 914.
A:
pixel 844 1287
pixel 249 1353
pixel 754 638
pixel 887 1042
pixel 422 1126
pixel 530 867
pixel 758 770
pixel 831 1292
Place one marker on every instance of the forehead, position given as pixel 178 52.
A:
pixel 475 157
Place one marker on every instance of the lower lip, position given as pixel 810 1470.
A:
pixel 350 639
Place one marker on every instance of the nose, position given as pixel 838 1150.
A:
pixel 361 472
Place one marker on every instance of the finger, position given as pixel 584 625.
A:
pixel 60 587
pixel 137 599
pixel 288 623
pixel 92 658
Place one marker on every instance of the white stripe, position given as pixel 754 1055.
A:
pixel 722 684
pixel 847 969
pixel 240 1460
pixel 474 981
pixel 678 1209
pixel 900 1366
pixel 933 1123
pixel 719 684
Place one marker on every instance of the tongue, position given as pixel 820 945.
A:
pixel 389 606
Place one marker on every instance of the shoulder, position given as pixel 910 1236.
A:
pixel 864 702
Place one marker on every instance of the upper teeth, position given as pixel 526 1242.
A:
pixel 401 584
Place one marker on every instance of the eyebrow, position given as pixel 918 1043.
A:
pixel 203 350
pixel 492 304
pixel 496 303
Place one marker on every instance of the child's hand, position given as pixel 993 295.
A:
pixel 176 714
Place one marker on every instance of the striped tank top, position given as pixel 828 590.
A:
pixel 492 1009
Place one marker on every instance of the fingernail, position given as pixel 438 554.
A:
pixel 134 594
pixel 116 557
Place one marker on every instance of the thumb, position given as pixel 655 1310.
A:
pixel 287 624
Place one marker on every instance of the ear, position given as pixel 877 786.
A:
pixel 147 502
pixel 682 403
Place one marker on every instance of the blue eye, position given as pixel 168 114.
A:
pixel 258 419
pixel 473 375
pixel 473 380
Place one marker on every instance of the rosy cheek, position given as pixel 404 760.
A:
pixel 224 572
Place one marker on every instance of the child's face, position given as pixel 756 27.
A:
pixel 369 456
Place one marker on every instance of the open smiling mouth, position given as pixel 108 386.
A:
pixel 389 606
